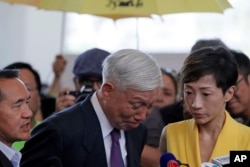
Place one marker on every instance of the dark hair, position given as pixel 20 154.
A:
pixel 171 75
pixel 216 61
pixel 207 43
pixel 7 74
pixel 243 63
pixel 22 65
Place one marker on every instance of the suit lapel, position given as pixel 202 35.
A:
pixel 130 146
pixel 192 143
pixel 4 161
pixel 226 138
pixel 135 140
pixel 93 139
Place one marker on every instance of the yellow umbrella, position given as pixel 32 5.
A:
pixel 28 2
pixel 128 8
pixel 116 9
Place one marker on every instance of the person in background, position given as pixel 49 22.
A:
pixel 154 121
pixel 209 76
pixel 31 79
pixel 58 68
pixel 83 134
pixel 169 90
pixel 177 111
pixel 87 77
pixel 201 43
pixel 239 105
pixel 15 116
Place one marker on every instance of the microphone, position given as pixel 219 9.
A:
pixel 168 160
pixel 222 161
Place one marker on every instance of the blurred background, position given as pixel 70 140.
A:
pixel 36 36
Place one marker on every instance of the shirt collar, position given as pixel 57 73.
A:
pixel 105 125
pixel 10 153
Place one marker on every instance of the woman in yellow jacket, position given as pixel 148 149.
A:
pixel 209 78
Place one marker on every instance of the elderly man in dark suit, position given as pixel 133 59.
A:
pixel 83 134
pixel 15 116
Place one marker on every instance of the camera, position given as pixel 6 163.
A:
pixel 73 93
pixel 82 94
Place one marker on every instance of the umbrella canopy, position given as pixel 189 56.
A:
pixel 28 2
pixel 116 9
pixel 128 8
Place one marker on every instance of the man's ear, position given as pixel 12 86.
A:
pixel 229 93
pixel 107 89
pixel 248 79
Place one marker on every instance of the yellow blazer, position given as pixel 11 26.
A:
pixel 182 140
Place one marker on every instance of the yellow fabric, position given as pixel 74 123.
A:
pixel 182 140
pixel 128 8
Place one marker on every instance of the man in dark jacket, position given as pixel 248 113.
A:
pixel 80 135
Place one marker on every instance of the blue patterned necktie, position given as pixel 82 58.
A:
pixel 116 155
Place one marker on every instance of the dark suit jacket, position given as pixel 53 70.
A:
pixel 4 161
pixel 172 113
pixel 73 138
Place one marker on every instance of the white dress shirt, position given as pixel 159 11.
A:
pixel 13 155
pixel 106 130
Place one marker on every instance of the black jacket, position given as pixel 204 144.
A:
pixel 4 161
pixel 73 138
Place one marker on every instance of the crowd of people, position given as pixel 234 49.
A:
pixel 126 110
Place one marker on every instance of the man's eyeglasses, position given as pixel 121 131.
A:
pixel 239 81
pixel 89 82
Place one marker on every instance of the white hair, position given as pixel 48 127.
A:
pixel 130 68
